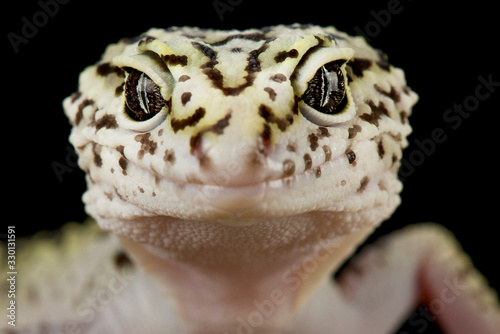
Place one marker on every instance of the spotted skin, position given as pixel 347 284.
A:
pixel 234 183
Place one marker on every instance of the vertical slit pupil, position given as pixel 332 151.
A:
pixel 143 99
pixel 326 90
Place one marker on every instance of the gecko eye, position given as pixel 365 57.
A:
pixel 143 99
pixel 320 80
pixel 326 91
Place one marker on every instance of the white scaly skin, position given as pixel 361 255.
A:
pixel 238 200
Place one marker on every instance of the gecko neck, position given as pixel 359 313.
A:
pixel 258 275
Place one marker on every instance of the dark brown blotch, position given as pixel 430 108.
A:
pixel 107 122
pixel 363 184
pixel 147 145
pixel 351 156
pixel 377 112
pixel 318 172
pixel 81 106
pixel 323 132
pixel 189 121
pixel 307 161
pixel 218 128
pixel 359 65
pixel 271 92
pixel 353 131
pixel 328 152
pixel 185 98
pixel 96 150
pixel 381 149
pixel 266 113
pixel 175 60
pixel 283 55
pixel 393 93
pixel 313 141
pixel 107 68
pixel 279 78
pixel 288 167
pixel 169 156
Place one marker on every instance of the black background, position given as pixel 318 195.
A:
pixel 443 49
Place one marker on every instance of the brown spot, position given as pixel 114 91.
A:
pixel 106 68
pixel 147 145
pixel 376 114
pixel 195 144
pixel 96 150
pixel 318 172
pixel 359 65
pixel 328 152
pixel 283 55
pixel 218 128
pixel 266 136
pixel 271 92
pixel 393 94
pixel 122 162
pixel 185 98
pixel 351 156
pixel 323 132
pixel 119 90
pixel 75 96
pixel 403 117
pixel 279 78
pixel 266 113
pixel 122 260
pixel 363 184
pixel 81 106
pixel 307 161
pixel 190 121
pixel 141 189
pixel 183 78
pixel 380 149
pixel 313 141
pixel 288 167
pixel 176 60
pixel 394 159
pixel 353 131
pixel 107 122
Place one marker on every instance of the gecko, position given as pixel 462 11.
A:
pixel 229 175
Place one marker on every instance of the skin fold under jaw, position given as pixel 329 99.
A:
pixel 236 172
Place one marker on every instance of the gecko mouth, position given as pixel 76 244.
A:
pixel 228 202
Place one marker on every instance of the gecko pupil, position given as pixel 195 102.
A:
pixel 143 98
pixel 326 90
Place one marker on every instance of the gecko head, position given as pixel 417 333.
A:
pixel 240 126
